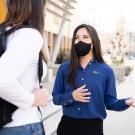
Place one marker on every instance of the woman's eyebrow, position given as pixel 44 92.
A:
pixel 85 35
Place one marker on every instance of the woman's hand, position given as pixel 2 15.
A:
pixel 42 97
pixel 81 94
pixel 133 104
pixel 130 102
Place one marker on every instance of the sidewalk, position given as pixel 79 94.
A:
pixel 122 123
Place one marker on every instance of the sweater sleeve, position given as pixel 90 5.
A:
pixel 23 46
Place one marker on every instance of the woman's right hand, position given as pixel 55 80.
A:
pixel 130 102
pixel 81 94
pixel 42 97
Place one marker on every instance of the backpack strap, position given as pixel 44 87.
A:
pixel 4 33
pixel 40 69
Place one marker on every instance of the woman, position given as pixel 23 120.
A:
pixel 19 81
pixel 87 88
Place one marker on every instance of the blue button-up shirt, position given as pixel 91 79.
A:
pixel 99 80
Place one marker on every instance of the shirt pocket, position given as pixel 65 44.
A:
pixel 94 79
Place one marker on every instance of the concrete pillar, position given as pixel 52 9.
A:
pixel 59 37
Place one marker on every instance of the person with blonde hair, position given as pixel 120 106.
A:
pixel 2 11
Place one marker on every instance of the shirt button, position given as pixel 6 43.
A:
pixel 89 63
pixel 71 100
pixel 79 109
pixel 82 79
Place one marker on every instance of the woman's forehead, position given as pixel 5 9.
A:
pixel 82 31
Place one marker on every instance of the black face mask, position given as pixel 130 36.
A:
pixel 82 48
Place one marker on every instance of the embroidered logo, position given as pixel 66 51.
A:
pixel 95 72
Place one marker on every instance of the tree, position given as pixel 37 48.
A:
pixel 119 47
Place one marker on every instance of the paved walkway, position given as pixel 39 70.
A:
pixel 122 123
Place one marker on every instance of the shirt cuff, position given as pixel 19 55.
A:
pixel 123 104
pixel 69 99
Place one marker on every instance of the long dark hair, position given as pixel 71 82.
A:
pixel 25 12
pixel 97 53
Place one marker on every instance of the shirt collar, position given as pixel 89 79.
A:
pixel 93 61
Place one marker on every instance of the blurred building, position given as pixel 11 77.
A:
pixel 61 17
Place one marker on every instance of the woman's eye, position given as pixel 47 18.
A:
pixel 76 37
pixel 85 37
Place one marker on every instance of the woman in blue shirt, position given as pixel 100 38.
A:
pixel 85 87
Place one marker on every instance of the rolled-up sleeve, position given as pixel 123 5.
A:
pixel 60 96
pixel 111 101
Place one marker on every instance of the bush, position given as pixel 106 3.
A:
pixel 117 62
pixel 62 57
pixel 128 69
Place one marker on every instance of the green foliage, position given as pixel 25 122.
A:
pixel 117 62
pixel 62 57
pixel 128 69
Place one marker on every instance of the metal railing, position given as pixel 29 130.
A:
pixel 50 118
